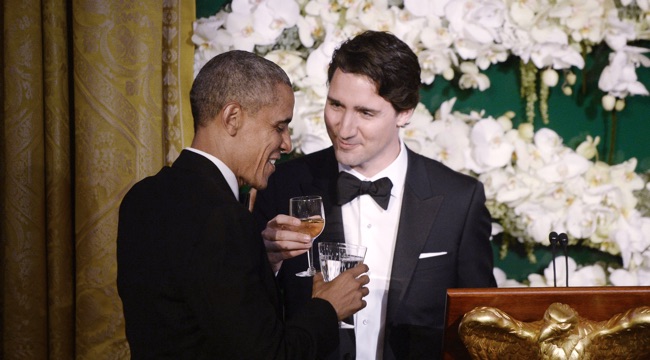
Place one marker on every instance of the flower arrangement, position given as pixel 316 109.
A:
pixel 534 184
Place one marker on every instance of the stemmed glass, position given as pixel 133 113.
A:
pixel 309 209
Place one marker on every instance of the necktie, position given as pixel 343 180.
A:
pixel 349 187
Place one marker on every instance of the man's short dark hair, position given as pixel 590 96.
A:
pixel 387 61
pixel 236 75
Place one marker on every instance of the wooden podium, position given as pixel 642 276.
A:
pixel 529 304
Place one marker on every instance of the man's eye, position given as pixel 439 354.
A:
pixel 281 128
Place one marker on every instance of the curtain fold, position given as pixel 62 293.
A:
pixel 58 181
pixel 95 97
pixel 25 255
pixel 178 61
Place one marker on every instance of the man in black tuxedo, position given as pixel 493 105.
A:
pixel 193 273
pixel 426 226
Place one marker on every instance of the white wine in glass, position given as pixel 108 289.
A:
pixel 309 209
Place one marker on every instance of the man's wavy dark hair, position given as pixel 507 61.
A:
pixel 387 61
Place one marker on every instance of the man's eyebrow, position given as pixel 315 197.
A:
pixel 366 109
pixel 332 100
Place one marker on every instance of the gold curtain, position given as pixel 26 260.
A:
pixel 95 97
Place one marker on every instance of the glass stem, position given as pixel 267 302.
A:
pixel 309 260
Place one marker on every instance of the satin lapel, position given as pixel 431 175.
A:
pixel 419 210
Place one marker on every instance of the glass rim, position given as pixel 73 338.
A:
pixel 339 244
pixel 306 197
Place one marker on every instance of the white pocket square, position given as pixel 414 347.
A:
pixel 428 255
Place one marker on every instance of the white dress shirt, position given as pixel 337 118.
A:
pixel 231 179
pixel 368 224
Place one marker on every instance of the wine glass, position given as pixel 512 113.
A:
pixel 309 209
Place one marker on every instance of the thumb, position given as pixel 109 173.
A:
pixel 318 279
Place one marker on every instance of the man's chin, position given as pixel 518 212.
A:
pixel 346 159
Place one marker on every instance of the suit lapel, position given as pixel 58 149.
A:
pixel 419 210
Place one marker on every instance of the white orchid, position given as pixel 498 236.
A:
pixel 472 78
pixel 503 281
pixel 490 148
pixel 619 77
pixel 434 63
pixel 375 15
pixel 273 16
pixel 476 21
pixel 414 133
pixel 290 62
pixel 589 275
pixel 426 7
pixel 408 27
pixel 589 148
pixel 310 28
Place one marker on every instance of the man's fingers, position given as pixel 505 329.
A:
pixel 364 280
pixel 294 247
pixel 358 270
pixel 281 220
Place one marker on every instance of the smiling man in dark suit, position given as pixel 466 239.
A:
pixel 193 273
pixel 426 226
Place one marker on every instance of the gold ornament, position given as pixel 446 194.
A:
pixel 489 333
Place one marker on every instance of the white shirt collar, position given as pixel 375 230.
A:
pixel 225 170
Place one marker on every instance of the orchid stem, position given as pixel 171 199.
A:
pixel 612 141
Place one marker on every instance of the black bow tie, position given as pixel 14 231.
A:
pixel 349 187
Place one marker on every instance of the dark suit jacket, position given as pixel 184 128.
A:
pixel 442 211
pixel 194 277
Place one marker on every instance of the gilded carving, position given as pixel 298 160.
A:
pixel 490 333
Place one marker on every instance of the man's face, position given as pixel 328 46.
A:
pixel 363 126
pixel 265 135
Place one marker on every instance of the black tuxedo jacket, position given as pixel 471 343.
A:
pixel 194 277
pixel 442 211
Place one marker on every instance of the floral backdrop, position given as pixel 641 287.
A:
pixel 534 183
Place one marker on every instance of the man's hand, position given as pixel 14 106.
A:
pixel 283 243
pixel 345 292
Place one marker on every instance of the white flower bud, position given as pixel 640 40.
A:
pixel 567 90
pixel 448 74
pixel 550 77
pixel 620 105
pixel 571 78
pixel 526 131
pixel 505 122
pixel 608 102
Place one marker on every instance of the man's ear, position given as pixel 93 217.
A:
pixel 403 117
pixel 232 117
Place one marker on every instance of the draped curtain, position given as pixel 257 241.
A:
pixel 95 97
